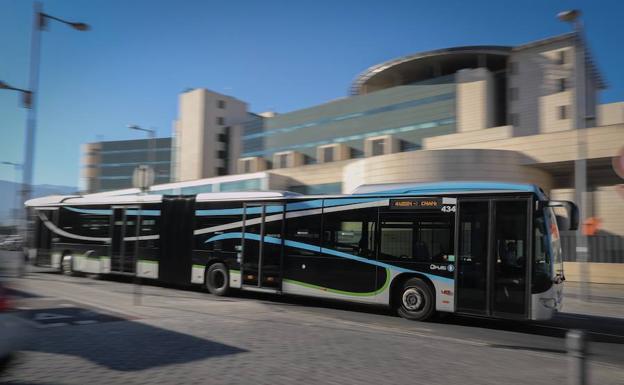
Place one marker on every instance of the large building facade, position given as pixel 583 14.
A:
pixel 110 165
pixel 491 113
pixel 206 134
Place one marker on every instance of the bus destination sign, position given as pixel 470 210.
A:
pixel 416 203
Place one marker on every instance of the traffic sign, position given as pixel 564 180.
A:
pixel 143 177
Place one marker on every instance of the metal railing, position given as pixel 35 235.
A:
pixel 602 248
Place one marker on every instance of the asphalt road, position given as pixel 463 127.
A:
pixel 88 331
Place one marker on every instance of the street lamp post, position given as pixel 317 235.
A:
pixel 151 153
pixel 580 121
pixel 40 22
pixel 151 135
pixel 26 94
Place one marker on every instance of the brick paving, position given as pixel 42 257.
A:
pixel 190 337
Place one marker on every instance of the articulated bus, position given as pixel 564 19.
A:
pixel 478 248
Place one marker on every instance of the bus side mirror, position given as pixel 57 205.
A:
pixel 571 222
pixel 563 223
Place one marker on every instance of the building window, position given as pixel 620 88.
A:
pixel 377 147
pixel 513 68
pixel 220 120
pixel 513 119
pixel 221 104
pixel 221 154
pixel 328 154
pixel 564 112
pixel 513 94
pixel 562 84
pixel 282 161
pixel 222 138
pixel 221 171
pixel 562 57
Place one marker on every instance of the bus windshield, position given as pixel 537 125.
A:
pixel 554 241
pixel 548 262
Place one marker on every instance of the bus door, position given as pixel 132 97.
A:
pixel 262 254
pixel 123 247
pixel 493 267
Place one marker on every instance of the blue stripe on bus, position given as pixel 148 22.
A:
pixel 90 211
pixel 110 211
pixel 322 250
pixel 317 203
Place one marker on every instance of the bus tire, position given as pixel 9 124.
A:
pixel 67 265
pixel 416 300
pixel 217 279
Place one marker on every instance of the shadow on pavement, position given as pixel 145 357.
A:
pixel 600 329
pixel 129 346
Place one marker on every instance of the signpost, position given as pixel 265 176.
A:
pixel 143 177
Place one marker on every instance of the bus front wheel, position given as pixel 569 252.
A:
pixel 217 279
pixel 416 300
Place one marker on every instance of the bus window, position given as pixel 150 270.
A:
pixel 409 239
pixel 351 231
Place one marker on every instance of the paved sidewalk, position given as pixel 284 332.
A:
pixel 604 300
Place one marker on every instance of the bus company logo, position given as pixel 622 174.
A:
pixel 449 268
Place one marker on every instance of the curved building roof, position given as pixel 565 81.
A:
pixel 427 65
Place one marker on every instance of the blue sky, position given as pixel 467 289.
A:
pixel 278 55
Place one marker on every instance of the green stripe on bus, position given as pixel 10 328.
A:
pixel 351 293
pixel 198 266
pixel 235 271
pixel 146 261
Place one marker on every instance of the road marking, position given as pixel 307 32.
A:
pixel 574 316
pixel 590 332
pixel 422 332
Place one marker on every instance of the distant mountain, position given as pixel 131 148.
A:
pixel 9 192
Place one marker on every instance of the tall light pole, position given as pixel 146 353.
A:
pixel 26 94
pixel 16 169
pixel 40 23
pixel 580 122
pixel 151 153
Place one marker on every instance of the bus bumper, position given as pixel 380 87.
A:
pixel 545 305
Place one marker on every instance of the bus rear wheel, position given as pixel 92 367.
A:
pixel 217 279
pixel 66 265
pixel 416 300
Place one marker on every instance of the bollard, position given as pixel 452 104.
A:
pixel 576 344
